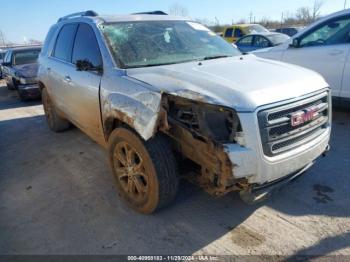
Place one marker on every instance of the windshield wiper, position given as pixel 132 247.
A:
pixel 215 57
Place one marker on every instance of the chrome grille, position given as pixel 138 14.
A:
pixel 278 134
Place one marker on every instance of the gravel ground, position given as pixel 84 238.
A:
pixel 57 197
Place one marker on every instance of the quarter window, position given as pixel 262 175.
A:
pixel 64 43
pixel 86 47
pixel 332 33
pixel 246 41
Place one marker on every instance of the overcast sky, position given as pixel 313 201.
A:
pixel 25 19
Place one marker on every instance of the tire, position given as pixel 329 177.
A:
pixel 147 180
pixel 54 121
pixel 12 85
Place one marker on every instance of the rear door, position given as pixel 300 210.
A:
pixel 84 86
pixel 324 49
pixel 59 66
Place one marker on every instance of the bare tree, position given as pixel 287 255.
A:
pixel 316 9
pixel 32 41
pixel 303 14
pixel 178 10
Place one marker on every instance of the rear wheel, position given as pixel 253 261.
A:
pixel 145 172
pixel 55 122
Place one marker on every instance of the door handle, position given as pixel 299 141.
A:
pixel 67 79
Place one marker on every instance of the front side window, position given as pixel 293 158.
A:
pixel 7 58
pixel 86 47
pixel 25 57
pixel 64 42
pixel 261 42
pixel 151 43
pixel 331 33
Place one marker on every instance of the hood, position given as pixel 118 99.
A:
pixel 243 83
pixel 27 70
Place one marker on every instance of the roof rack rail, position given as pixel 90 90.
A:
pixel 85 13
pixel 151 13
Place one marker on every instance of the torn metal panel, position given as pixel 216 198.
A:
pixel 190 124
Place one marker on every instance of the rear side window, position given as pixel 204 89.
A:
pixel 229 32
pixel 64 43
pixel 86 47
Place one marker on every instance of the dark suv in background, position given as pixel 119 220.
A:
pixel 20 69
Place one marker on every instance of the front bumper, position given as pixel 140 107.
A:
pixel 249 161
pixel 30 91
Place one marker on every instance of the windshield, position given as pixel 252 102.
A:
pixel 151 43
pixel 26 57
pixel 253 29
pixel 278 38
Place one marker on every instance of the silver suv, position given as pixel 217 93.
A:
pixel 161 92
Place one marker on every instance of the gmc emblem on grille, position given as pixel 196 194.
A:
pixel 303 116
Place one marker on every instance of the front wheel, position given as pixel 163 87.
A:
pixel 145 171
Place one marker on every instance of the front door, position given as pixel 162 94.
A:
pixel 324 49
pixel 84 86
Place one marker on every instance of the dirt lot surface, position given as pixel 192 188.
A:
pixel 57 197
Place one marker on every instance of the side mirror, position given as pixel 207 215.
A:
pixel 85 65
pixel 295 43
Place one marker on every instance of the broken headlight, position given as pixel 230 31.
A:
pixel 211 121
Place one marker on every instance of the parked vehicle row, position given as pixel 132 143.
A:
pixel 254 42
pixel 290 31
pixel 183 94
pixel 235 32
pixel 19 69
pixel 324 47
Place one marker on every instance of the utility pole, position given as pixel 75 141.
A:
pixel 2 39
pixel 282 20
pixel 250 17
pixel 344 4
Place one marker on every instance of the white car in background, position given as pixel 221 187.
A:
pixel 324 47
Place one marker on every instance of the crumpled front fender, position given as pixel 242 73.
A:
pixel 139 110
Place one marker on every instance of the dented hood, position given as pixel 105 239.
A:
pixel 27 70
pixel 243 83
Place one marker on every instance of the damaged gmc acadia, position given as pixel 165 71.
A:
pixel 164 93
